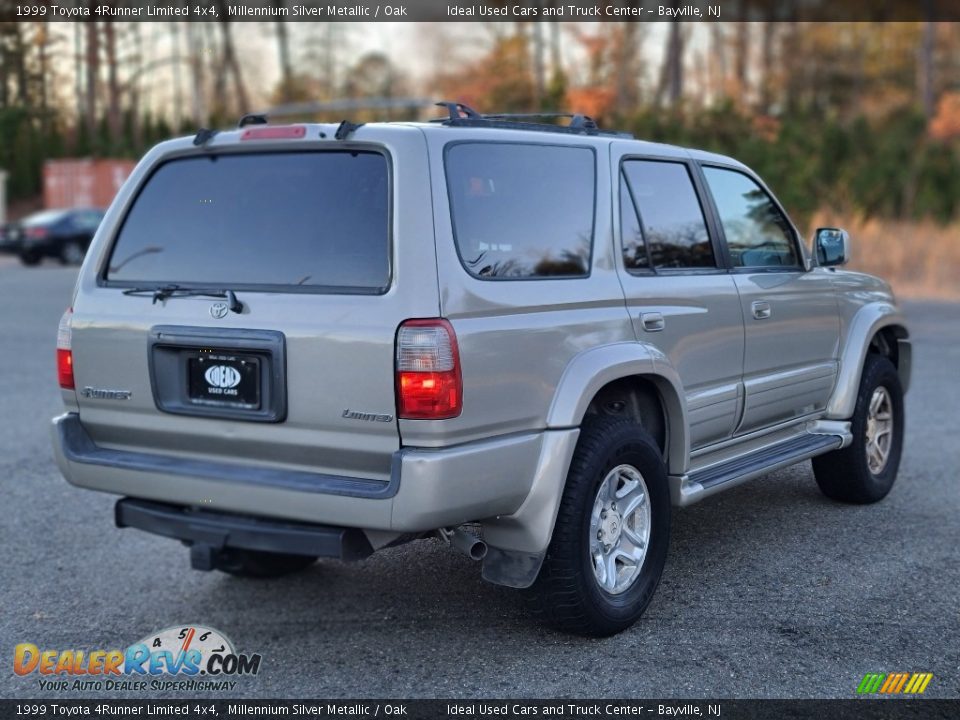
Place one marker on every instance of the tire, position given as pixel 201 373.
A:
pixel 30 258
pixel 72 253
pixel 568 593
pixel 849 475
pixel 255 564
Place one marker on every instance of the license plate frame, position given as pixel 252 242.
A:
pixel 170 348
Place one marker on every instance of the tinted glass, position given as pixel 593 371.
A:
pixel 757 233
pixel 522 211
pixel 634 249
pixel 670 213
pixel 315 220
pixel 88 220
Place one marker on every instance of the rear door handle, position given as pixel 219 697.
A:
pixel 761 309
pixel 652 321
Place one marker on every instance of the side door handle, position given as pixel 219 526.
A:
pixel 652 321
pixel 761 309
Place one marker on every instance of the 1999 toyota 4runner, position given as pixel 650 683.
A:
pixel 302 341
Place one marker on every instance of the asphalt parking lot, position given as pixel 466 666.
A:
pixel 770 590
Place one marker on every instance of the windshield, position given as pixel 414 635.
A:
pixel 44 217
pixel 316 220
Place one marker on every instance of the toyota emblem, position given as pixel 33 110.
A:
pixel 219 310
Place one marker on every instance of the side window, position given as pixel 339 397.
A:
pixel 634 248
pixel 671 219
pixel 522 211
pixel 758 234
pixel 87 220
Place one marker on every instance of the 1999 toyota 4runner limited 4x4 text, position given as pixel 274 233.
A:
pixel 301 341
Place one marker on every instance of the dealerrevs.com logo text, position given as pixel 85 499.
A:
pixel 184 658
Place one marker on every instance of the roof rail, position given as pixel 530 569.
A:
pixel 460 115
pixel 459 111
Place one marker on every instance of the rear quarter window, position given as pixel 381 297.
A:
pixel 522 211
pixel 314 220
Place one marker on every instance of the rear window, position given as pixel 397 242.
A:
pixel 522 211
pixel 313 220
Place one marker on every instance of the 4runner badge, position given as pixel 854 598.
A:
pixel 105 394
pixel 219 310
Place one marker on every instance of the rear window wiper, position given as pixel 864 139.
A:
pixel 164 292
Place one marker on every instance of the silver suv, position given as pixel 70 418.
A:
pixel 531 340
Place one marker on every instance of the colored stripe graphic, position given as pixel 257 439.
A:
pixel 870 683
pixel 889 683
pixel 894 683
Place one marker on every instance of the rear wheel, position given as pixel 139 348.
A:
pixel 30 258
pixel 252 563
pixel 610 540
pixel 864 471
pixel 72 253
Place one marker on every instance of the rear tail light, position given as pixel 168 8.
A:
pixel 429 385
pixel 36 233
pixel 64 352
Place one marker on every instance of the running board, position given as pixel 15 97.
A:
pixel 698 484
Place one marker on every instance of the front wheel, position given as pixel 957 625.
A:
pixel 864 471
pixel 612 531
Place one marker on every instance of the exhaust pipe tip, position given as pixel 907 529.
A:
pixel 477 550
pixel 470 545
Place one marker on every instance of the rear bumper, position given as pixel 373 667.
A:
pixel 428 488
pixel 219 531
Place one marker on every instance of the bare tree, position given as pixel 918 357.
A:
pixel 176 70
pixel 283 49
pixel 78 69
pixel 93 73
pixel 229 63
pixel 625 67
pixel 741 57
pixel 113 83
pixel 671 71
pixel 718 63
pixel 195 45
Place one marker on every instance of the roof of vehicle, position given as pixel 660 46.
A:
pixel 50 215
pixel 42 217
pixel 461 123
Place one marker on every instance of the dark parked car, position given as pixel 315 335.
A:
pixel 63 234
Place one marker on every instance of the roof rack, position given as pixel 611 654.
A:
pixel 253 119
pixel 460 115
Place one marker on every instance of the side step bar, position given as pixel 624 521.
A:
pixel 698 484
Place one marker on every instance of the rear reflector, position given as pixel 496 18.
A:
pixel 64 352
pixel 429 386
pixel 275 132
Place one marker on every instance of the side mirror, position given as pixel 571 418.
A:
pixel 832 246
